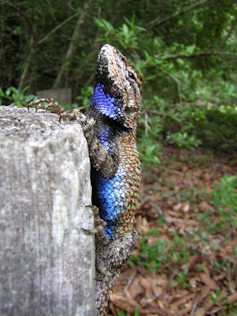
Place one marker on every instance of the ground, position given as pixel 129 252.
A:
pixel 185 262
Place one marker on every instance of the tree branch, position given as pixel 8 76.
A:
pixel 27 65
pixel 176 80
pixel 200 54
pixel 58 27
pixel 20 12
pixel 159 21
pixel 69 54
pixel 229 33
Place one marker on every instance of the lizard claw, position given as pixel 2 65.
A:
pixel 100 224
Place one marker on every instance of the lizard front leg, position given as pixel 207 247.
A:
pixel 103 162
pixel 51 105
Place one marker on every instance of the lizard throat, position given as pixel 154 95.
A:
pixel 107 105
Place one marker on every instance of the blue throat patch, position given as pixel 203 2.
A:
pixel 106 104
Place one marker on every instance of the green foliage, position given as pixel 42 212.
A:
pixel 148 151
pixel 16 97
pixel 182 278
pixel 201 267
pixel 184 140
pixel 85 97
pixel 125 35
pixel 186 56
pixel 153 256
pixel 136 312
pixel 224 198
pixel 231 309
pixel 217 296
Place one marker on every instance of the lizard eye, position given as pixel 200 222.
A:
pixel 131 76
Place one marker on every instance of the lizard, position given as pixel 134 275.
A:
pixel 109 127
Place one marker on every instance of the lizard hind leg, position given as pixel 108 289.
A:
pixel 102 243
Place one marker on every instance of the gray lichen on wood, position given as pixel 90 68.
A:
pixel 46 260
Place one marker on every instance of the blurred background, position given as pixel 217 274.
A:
pixel 186 52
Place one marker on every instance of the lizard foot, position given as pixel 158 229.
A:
pixel 54 107
pixel 117 252
pixel 51 105
pixel 73 115
pixel 99 224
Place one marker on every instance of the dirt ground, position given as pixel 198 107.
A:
pixel 185 262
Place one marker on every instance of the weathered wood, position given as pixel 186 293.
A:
pixel 46 260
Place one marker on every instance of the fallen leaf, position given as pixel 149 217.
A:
pixel 230 299
pixel 177 207
pixel 183 300
pixel 194 281
pixel 146 302
pixel 135 288
pixel 208 281
pixel 200 312
pixel 157 290
pixel 131 299
pixel 205 291
pixel 209 189
pixel 146 284
pixel 204 206
pixel 185 207
pixel 122 303
pixel 219 277
pixel 192 263
pixel 178 295
pixel 185 310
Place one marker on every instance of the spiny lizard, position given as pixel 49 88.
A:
pixel 110 126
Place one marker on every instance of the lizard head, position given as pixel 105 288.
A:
pixel 116 92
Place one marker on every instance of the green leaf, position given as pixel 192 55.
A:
pixel 108 25
pixel 190 49
pixel 136 311
pixel 141 28
pixel 2 94
pixel 29 98
pixel 24 90
pixel 8 91
pixel 125 30
pixel 15 90
pixel 165 56
pixel 151 77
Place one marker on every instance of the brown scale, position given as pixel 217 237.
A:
pixel 130 162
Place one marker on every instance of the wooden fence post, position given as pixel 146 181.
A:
pixel 46 260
